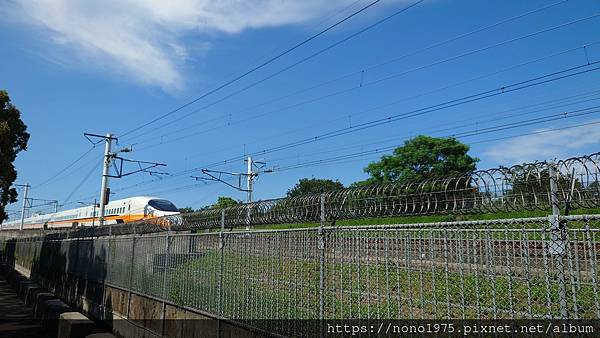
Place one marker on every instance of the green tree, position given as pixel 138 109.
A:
pixel 224 202
pixel 307 186
pixel 13 139
pixel 186 210
pixel 422 157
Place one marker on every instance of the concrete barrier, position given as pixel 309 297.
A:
pixel 51 311
pixel 23 285
pixel 40 298
pixel 100 335
pixel 30 294
pixel 76 325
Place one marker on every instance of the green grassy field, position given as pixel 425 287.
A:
pixel 258 287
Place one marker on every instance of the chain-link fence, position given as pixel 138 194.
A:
pixel 497 269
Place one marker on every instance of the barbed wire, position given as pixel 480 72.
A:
pixel 524 187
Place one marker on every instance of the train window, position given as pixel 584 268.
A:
pixel 163 205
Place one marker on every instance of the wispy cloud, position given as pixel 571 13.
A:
pixel 143 38
pixel 546 144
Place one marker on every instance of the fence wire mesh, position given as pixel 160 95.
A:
pixel 499 269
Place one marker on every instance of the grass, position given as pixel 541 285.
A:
pixel 427 219
pixel 259 286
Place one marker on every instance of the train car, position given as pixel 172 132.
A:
pixel 115 212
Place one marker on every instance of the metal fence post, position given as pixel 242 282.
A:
pixel 321 244
pixel 106 263
pixel 557 246
pixel 221 268
pixel 164 286
pixel 130 286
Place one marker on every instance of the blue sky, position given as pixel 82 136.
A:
pixel 109 66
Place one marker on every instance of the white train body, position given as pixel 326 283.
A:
pixel 120 211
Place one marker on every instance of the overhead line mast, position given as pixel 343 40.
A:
pixel 109 156
pixel 104 192
pixel 26 190
pixel 251 175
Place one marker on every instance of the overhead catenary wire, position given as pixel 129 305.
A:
pixel 85 178
pixel 267 62
pixel 60 172
pixel 352 157
pixel 378 107
pixel 444 129
pixel 543 79
pixel 553 116
pixel 380 150
pixel 536 81
pixel 561 2
pixel 330 95
pixel 392 60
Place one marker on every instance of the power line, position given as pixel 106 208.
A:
pixel 536 81
pixel 421 111
pixel 353 157
pixel 85 178
pixel 381 64
pixel 313 100
pixel 538 132
pixel 64 169
pixel 252 70
pixel 445 129
pixel 516 112
pixel 472 133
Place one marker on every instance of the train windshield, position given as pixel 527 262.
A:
pixel 163 205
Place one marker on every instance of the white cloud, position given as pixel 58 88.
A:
pixel 143 38
pixel 546 144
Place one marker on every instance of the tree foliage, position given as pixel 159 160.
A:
pixel 307 186
pixel 422 157
pixel 13 139
pixel 224 202
pixel 186 210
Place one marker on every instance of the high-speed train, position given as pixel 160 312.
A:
pixel 115 212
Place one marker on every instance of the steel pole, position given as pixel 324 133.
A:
pixel 105 169
pixel 558 244
pixel 94 214
pixel 321 247
pixel 26 187
pixel 249 179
